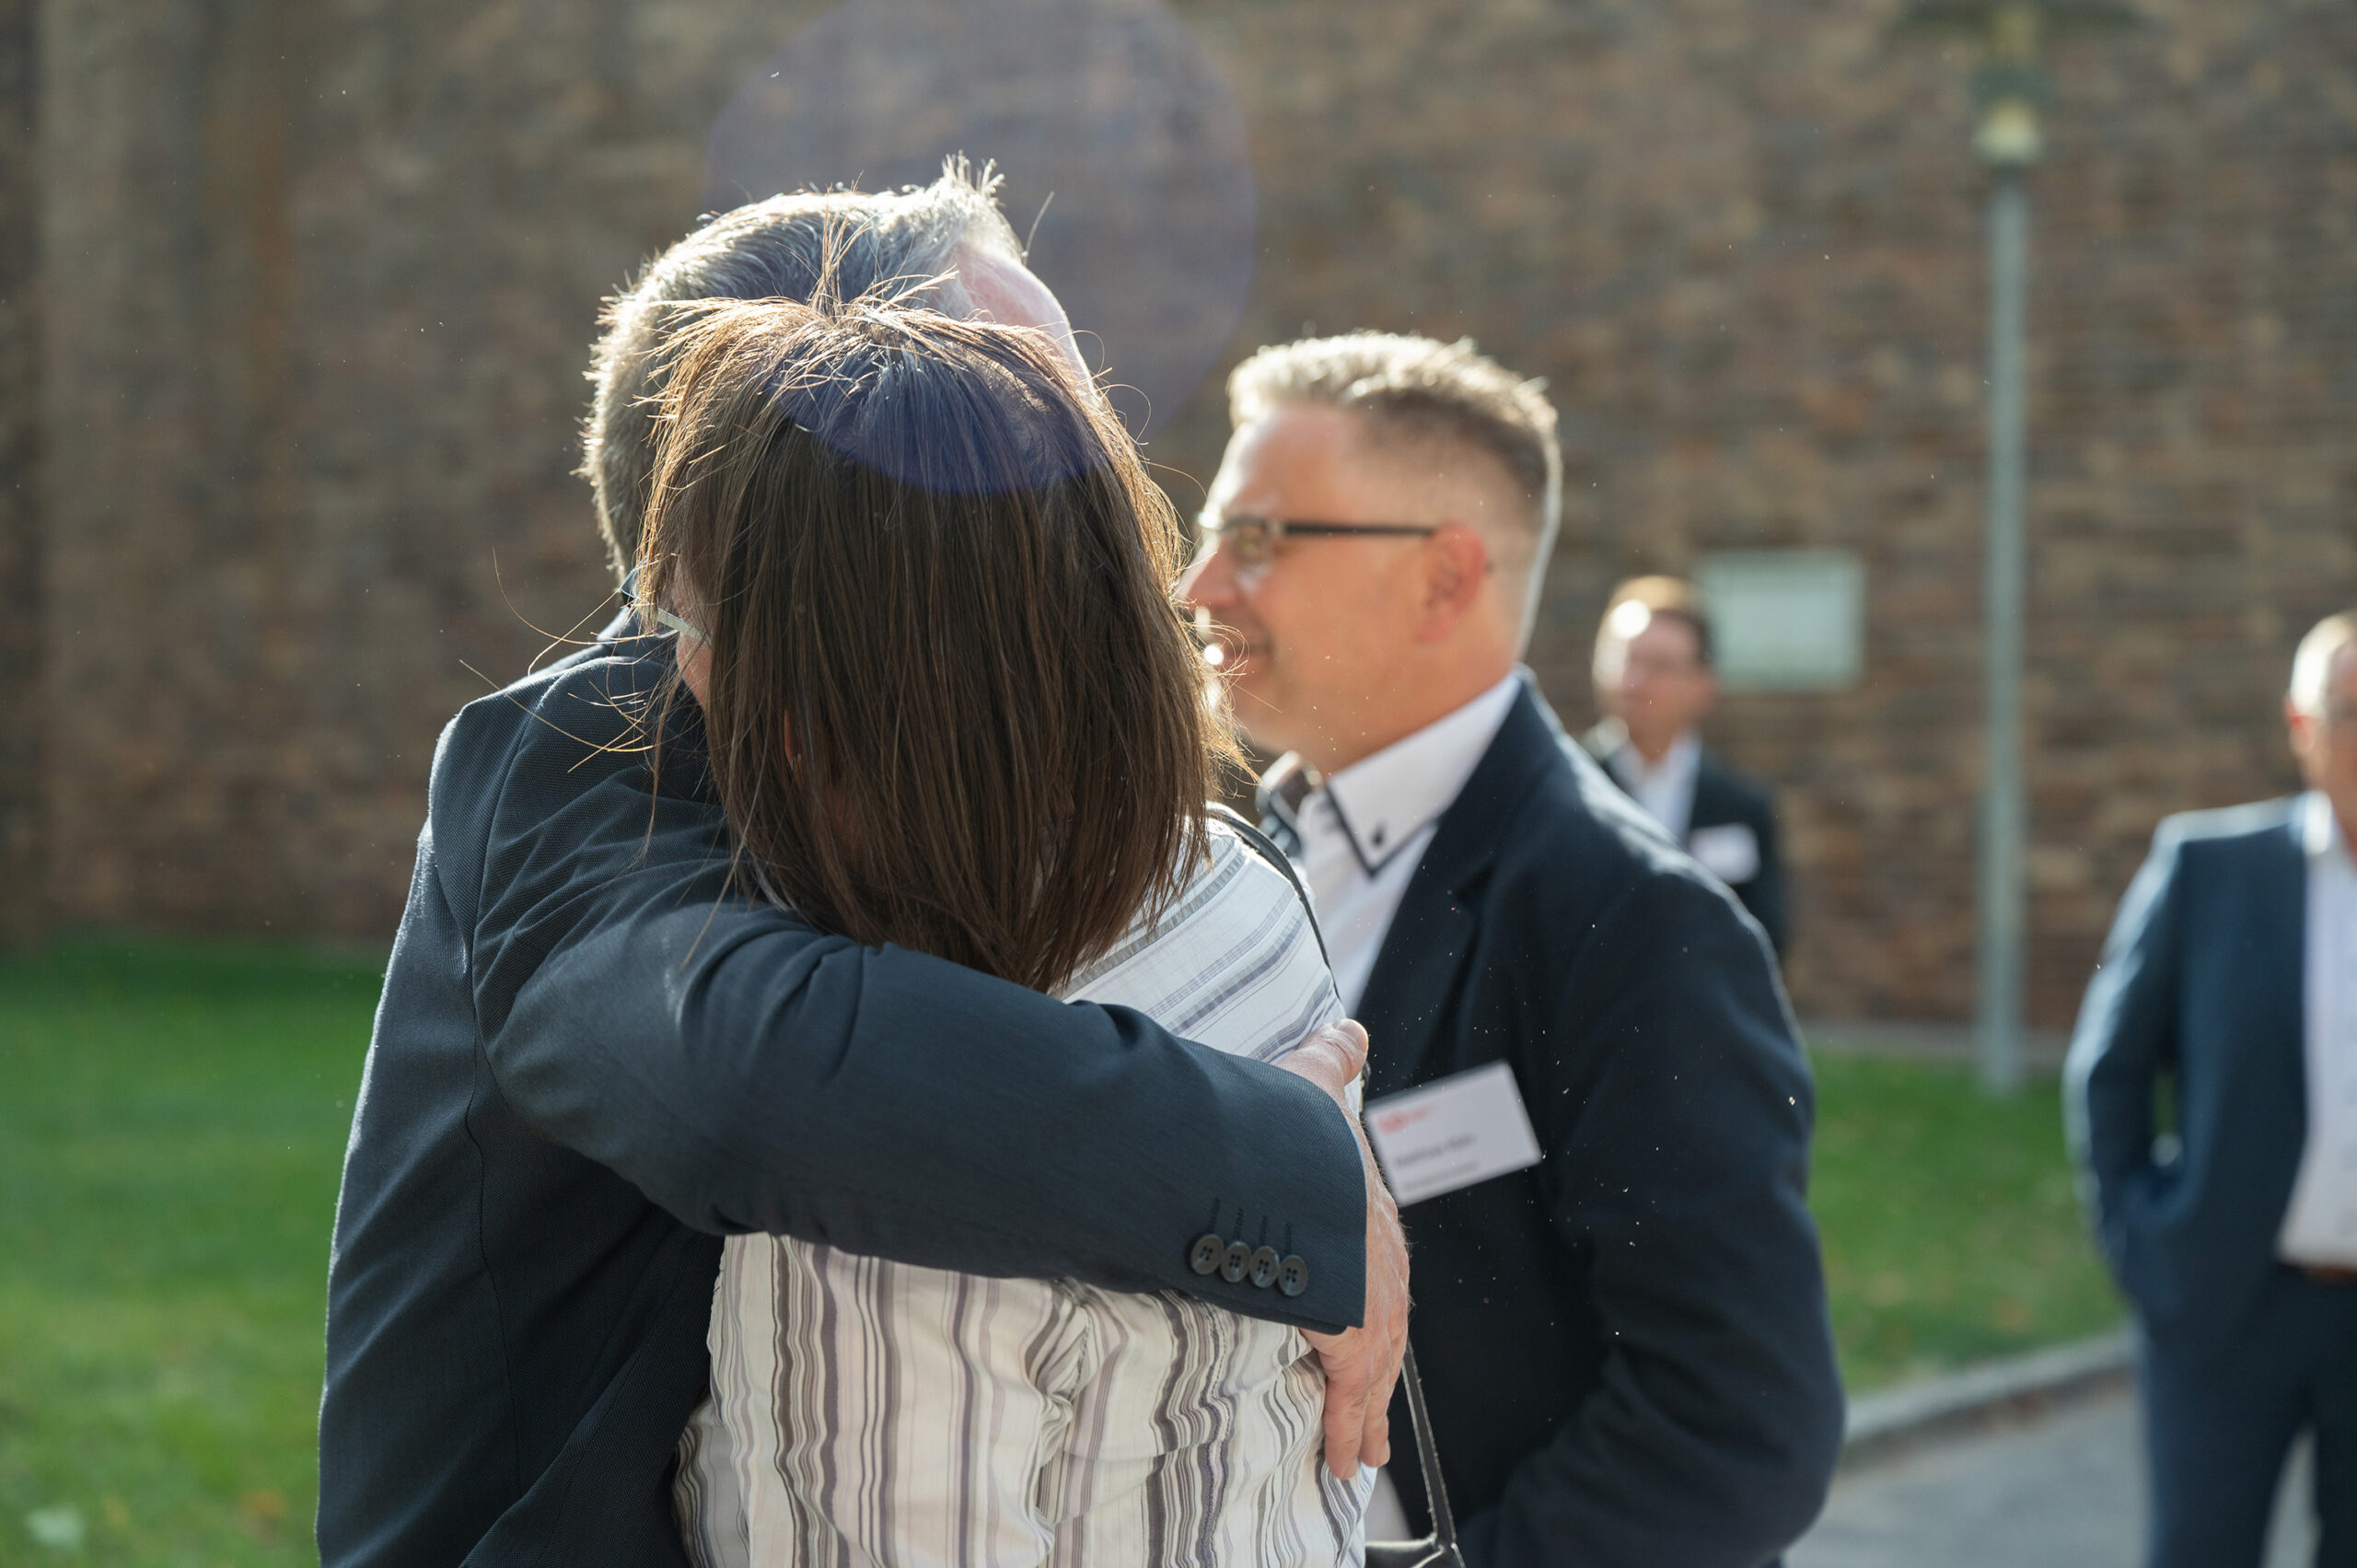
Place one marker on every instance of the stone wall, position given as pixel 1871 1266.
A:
pixel 323 277
pixel 322 280
pixel 24 885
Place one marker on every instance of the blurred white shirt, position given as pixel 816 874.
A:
pixel 2320 1224
pixel 1666 789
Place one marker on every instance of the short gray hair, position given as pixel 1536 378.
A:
pixel 860 242
pixel 1421 388
pixel 2312 665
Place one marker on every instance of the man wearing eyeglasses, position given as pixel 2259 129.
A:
pixel 1619 1308
pixel 2231 978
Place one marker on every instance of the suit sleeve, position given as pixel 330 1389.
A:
pixel 1682 1174
pixel 1764 894
pixel 2125 1040
pixel 748 1074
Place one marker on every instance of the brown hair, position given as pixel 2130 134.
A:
pixel 951 702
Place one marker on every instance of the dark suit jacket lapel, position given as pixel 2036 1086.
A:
pixel 1433 933
pixel 1712 799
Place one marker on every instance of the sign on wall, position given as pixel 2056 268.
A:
pixel 1786 619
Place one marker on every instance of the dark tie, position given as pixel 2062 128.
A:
pixel 1282 789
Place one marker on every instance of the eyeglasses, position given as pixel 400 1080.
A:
pixel 1657 666
pixel 1252 542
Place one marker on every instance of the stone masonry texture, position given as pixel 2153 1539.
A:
pixel 23 882
pixel 320 281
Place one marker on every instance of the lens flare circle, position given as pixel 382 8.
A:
pixel 1122 147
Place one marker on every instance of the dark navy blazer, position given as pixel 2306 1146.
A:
pixel 2201 987
pixel 591 1063
pixel 1723 797
pixel 1625 1348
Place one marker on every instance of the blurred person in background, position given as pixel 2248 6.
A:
pixel 1656 681
pixel 600 1051
pixel 1625 1344
pixel 2227 991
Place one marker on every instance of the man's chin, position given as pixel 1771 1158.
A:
pixel 1258 703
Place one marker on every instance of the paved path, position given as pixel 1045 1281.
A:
pixel 2067 1491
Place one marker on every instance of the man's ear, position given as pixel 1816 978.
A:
pixel 1456 566
pixel 2302 728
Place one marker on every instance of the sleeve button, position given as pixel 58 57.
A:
pixel 1265 1267
pixel 1232 1265
pixel 1293 1274
pixel 1205 1255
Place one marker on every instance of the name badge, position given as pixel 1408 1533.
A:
pixel 1729 852
pixel 1467 1128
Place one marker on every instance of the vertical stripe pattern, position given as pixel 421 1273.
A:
pixel 867 1414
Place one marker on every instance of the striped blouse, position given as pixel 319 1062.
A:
pixel 869 1413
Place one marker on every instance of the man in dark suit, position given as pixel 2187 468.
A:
pixel 593 1058
pixel 1624 1344
pixel 2229 987
pixel 1656 681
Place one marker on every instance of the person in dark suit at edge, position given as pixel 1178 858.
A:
pixel 2228 987
pixel 1656 681
pixel 1625 1346
pixel 595 1057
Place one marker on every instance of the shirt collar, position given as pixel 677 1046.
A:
pixel 1383 801
pixel 2320 830
pixel 1285 786
pixel 1680 763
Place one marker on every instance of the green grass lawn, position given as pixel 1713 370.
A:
pixel 1951 1231
pixel 172 1121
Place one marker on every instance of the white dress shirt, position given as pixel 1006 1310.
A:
pixel 1666 789
pixel 2320 1225
pixel 1363 831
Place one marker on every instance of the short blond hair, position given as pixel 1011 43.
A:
pixel 1425 389
pixel 2312 665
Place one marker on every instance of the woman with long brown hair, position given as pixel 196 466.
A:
pixel 921 588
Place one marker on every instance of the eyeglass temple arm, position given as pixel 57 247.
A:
pixel 664 618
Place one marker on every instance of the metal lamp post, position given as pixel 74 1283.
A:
pixel 2007 90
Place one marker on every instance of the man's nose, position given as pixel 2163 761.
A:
pixel 1209 583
